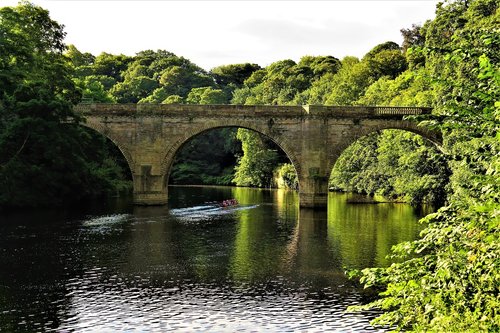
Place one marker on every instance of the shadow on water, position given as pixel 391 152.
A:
pixel 194 266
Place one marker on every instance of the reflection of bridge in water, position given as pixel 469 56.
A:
pixel 313 137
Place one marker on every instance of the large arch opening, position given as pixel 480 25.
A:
pixel 206 159
pixel 392 165
pixel 231 156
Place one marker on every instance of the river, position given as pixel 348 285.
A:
pixel 260 266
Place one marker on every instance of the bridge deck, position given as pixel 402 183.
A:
pixel 248 110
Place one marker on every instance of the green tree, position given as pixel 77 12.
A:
pixel 110 65
pixel 412 37
pixel 133 90
pixel 208 158
pixel 341 87
pixel 150 76
pixel 255 167
pixel 285 176
pixel 410 88
pixel 345 82
pixel 413 40
pixel 206 95
pixel 389 63
pixel 284 81
pixel 173 99
pixel 156 97
pixel 320 65
pixel 78 58
pixel 448 280
pixel 349 83
pixel 355 170
pixel 96 88
pixel 177 80
pixel 42 150
pixel 235 74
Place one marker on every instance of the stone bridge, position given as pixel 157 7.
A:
pixel 313 137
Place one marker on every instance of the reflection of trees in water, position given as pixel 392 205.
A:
pixel 39 259
pixel 365 233
pixel 275 237
pixel 259 238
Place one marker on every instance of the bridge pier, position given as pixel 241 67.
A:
pixel 314 193
pixel 314 161
pixel 313 200
pixel 149 186
pixel 150 198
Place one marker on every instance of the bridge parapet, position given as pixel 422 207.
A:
pixel 401 111
pixel 102 109
pixel 364 111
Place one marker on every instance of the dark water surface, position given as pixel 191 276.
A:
pixel 262 266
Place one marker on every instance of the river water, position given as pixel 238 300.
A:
pixel 261 266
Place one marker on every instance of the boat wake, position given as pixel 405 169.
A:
pixel 105 224
pixel 106 220
pixel 207 212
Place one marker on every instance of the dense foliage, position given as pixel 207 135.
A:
pixel 396 165
pixel 255 167
pixel 207 159
pixel 449 279
pixel 45 159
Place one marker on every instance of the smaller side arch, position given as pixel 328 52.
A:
pixel 104 130
pixel 355 165
pixel 435 137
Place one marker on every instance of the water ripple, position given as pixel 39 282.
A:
pixel 247 268
pixel 137 305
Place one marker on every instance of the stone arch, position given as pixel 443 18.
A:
pixel 435 137
pixel 167 162
pixel 104 130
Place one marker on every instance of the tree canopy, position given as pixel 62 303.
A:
pixel 45 159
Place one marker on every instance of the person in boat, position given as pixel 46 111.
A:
pixel 229 202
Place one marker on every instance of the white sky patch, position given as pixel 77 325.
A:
pixel 213 33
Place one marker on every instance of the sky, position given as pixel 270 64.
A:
pixel 214 33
